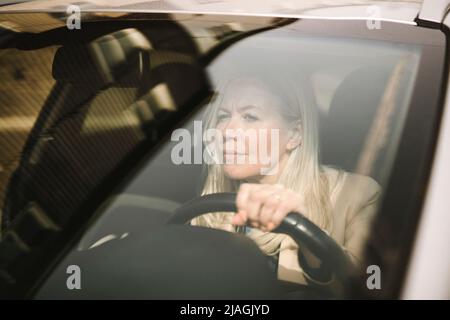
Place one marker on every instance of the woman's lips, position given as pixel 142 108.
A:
pixel 233 153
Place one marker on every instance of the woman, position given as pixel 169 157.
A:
pixel 340 203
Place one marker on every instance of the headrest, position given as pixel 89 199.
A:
pixel 116 57
pixel 352 111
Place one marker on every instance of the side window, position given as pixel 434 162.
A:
pixel 110 95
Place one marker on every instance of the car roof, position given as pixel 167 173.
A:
pixel 398 11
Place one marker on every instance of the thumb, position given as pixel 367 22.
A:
pixel 239 218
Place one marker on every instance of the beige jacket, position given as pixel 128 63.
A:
pixel 353 201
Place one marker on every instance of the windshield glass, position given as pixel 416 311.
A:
pixel 285 119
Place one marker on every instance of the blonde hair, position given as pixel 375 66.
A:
pixel 301 173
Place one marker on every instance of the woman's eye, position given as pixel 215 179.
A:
pixel 250 117
pixel 222 117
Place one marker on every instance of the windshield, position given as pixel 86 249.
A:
pixel 139 117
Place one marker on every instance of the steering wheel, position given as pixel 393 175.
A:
pixel 303 231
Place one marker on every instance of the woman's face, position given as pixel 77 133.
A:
pixel 256 140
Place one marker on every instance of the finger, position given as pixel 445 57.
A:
pixel 256 201
pixel 281 212
pixel 269 208
pixel 239 218
pixel 242 196
pixel 243 202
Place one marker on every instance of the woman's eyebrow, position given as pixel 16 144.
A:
pixel 245 108
pixel 240 109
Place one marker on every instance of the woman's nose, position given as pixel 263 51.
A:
pixel 232 127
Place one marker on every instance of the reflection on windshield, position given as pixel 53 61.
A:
pixel 280 121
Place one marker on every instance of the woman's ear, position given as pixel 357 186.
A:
pixel 295 137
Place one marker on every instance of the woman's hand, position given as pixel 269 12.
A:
pixel 264 206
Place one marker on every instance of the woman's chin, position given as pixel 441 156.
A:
pixel 241 172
